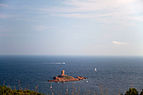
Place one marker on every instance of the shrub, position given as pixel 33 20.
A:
pixel 131 91
pixel 141 92
pixel 8 91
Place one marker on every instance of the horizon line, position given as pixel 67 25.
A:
pixel 72 55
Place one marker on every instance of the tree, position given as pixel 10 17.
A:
pixel 141 92
pixel 131 91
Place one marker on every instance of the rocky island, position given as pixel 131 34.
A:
pixel 66 78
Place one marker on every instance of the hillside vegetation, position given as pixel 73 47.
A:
pixel 8 91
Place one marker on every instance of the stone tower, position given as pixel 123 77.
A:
pixel 63 72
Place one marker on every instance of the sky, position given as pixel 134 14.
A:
pixel 71 27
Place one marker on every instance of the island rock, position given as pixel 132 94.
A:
pixel 66 78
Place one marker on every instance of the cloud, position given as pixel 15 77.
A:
pixel 103 10
pixel 40 28
pixel 136 18
pixel 3 5
pixel 119 43
pixel 91 6
pixel 43 27
pixel 83 15
pixel 3 16
pixel 95 5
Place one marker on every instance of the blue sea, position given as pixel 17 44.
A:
pixel 113 75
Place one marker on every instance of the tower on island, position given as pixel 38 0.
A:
pixel 63 72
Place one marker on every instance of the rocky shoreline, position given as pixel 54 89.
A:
pixel 66 78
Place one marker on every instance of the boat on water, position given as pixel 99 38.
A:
pixel 95 69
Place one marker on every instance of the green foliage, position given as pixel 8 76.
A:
pixel 8 91
pixel 141 92
pixel 131 91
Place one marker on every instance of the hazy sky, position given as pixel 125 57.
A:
pixel 71 27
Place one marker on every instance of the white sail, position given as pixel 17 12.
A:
pixel 95 69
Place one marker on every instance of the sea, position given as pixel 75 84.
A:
pixel 106 75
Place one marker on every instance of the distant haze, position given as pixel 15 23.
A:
pixel 71 27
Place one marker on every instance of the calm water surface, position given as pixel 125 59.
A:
pixel 114 74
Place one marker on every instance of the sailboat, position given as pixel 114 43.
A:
pixel 51 86
pixel 95 69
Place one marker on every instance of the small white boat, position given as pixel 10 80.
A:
pixel 95 69
pixel 51 86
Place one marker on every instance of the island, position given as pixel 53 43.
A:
pixel 66 78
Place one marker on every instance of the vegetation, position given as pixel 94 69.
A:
pixel 133 91
pixel 141 92
pixel 8 91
